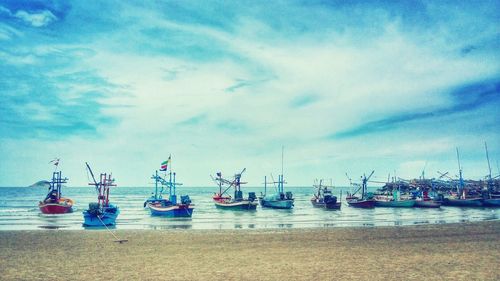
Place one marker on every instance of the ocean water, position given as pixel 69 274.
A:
pixel 19 211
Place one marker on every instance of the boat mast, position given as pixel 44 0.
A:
pixel 461 180
pixel 490 182
pixel 156 185
pixel 488 158
pixel 265 185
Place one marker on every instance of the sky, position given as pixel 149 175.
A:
pixel 344 86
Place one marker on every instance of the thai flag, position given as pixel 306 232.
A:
pixel 164 164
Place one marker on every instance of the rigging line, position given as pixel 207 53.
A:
pixel 117 239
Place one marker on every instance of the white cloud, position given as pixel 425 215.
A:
pixel 40 19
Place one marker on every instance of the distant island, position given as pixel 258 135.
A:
pixel 42 183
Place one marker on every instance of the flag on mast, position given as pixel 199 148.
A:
pixel 164 164
pixel 55 161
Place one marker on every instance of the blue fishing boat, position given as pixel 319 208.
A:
pixel 169 208
pixel 102 213
pixel 280 199
pixel 238 203
pixel 157 196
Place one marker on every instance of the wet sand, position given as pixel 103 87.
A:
pixel 426 252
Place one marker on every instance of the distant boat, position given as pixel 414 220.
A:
pixel 54 203
pixel 427 204
pixel 169 208
pixel 460 199
pixel 223 201
pixel 394 201
pixel 280 199
pixel 101 213
pixel 366 199
pixel 323 198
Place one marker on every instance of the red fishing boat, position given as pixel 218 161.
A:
pixel 366 200
pixel 54 203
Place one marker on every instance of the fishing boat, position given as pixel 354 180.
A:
pixel 226 202
pixel 366 199
pixel 170 208
pixel 323 198
pixel 426 202
pixel 102 213
pixel 461 198
pixel 280 199
pixel 54 203
pixel 156 197
pixel 394 201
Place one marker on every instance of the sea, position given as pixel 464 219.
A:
pixel 19 211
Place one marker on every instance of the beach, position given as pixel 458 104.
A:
pixel 468 251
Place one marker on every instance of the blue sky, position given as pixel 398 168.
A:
pixel 344 86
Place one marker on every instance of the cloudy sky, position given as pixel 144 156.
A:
pixel 222 85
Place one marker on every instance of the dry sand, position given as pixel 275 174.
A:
pixel 427 252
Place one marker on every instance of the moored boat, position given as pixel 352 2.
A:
pixel 237 203
pixel 323 198
pixel 169 208
pixel 394 201
pixel 366 200
pixel 462 202
pixel 280 199
pixel 361 203
pixel 389 202
pixel 462 198
pixel 54 203
pixel 102 213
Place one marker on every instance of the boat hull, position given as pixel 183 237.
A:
pixel 395 204
pixel 174 211
pixel 333 206
pixel 491 202
pixel 63 206
pixel 276 204
pixel 317 204
pixel 462 202
pixel 106 218
pixel 329 206
pixel 244 205
pixel 365 204
pixel 427 204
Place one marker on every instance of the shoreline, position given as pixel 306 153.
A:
pixel 461 251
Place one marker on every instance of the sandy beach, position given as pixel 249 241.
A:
pixel 426 252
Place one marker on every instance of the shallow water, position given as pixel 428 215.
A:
pixel 19 211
